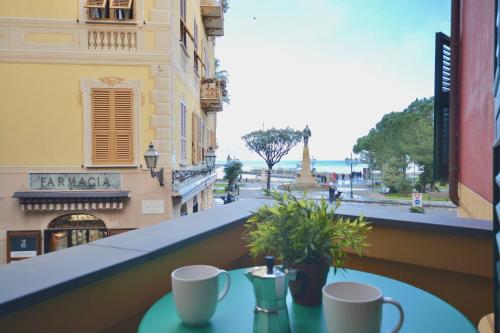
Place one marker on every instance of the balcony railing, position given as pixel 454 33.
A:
pixel 449 257
pixel 211 95
pixel 213 17
pixel 112 39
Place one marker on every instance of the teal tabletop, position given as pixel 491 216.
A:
pixel 424 312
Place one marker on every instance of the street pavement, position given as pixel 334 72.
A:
pixel 362 196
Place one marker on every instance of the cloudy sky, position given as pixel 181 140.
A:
pixel 336 65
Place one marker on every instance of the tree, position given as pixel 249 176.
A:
pixel 222 75
pixel 225 6
pixel 398 139
pixel 272 145
pixel 232 171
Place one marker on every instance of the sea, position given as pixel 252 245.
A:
pixel 337 166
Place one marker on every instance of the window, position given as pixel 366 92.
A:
pixel 194 139
pixel 207 72
pixel 195 35
pixel 112 126
pixel 184 31
pixel 110 10
pixel 195 43
pixel 183 124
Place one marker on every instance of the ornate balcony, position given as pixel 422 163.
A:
pixel 213 17
pixel 211 94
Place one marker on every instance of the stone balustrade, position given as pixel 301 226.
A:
pixel 112 40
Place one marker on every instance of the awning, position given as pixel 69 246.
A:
pixel 71 200
pixel 187 190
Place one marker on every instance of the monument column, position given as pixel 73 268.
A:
pixel 306 180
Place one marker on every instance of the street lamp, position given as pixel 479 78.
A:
pixel 351 162
pixel 151 157
pixel 210 159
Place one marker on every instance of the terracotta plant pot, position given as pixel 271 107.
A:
pixel 306 288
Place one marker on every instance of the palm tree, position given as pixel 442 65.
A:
pixel 222 75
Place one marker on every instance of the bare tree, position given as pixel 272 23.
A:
pixel 272 145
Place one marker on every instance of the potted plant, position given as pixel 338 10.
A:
pixel 305 235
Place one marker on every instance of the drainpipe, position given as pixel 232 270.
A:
pixel 454 129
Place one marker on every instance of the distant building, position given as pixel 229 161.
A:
pixel 86 85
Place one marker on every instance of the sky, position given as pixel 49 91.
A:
pixel 335 65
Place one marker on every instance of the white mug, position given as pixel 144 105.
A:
pixel 196 292
pixel 351 307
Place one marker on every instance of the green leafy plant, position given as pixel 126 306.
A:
pixel 304 231
pixel 418 210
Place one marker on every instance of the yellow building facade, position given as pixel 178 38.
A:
pixel 86 86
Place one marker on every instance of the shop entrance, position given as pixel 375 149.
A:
pixel 72 230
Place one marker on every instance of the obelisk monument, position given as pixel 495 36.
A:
pixel 306 180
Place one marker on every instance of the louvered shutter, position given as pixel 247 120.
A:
pixel 194 139
pixel 496 168
pixel 183 136
pixel 95 3
pixel 120 4
pixel 200 135
pixel 442 73
pixel 101 126
pixel 112 127
pixel 123 126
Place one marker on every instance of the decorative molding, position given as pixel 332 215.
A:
pixel 71 42
pixel 86 85
pixel 71 57
pixel 111 80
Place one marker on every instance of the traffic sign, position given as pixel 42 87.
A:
pixel 417 200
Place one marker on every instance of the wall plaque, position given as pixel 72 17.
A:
pixel 153 207
pixel 75 181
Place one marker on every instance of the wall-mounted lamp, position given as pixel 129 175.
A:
pixel 151 157
pixel 210 158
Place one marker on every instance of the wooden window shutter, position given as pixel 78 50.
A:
pixel 112 127
pixel 183 127
pixel 200 133
pixel 194 135
pixel 95 3
pixel 123 126
pixel 121 4
pixel 101 126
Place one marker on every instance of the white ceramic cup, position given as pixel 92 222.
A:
pixel 351 307
pixel 196 292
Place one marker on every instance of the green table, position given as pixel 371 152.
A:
pixel 424 312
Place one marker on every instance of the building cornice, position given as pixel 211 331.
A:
pixel 77 57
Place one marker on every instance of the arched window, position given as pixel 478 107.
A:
pixel 77 221
pixel 184 209
pixel 72 230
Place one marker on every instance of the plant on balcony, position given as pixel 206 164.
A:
pixel 306 235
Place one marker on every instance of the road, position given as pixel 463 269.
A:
pixel 254 190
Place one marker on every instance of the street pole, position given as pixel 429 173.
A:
pixel 352 196
pixel 351 161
